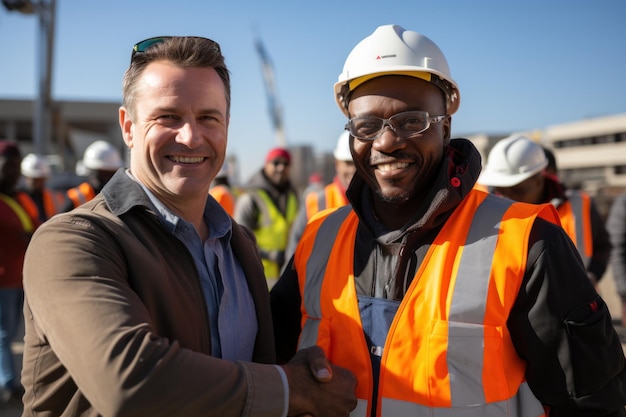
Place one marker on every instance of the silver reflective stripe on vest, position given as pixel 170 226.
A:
pixel 467 311
pixel 82 198
pixel 360 410
pixel 524 404
pixel 576 201
pixel 315 271
pixel 321 200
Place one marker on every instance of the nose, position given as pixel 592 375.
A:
pixel 188 134
pixel 388 141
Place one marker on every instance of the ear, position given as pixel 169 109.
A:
pixel 126 125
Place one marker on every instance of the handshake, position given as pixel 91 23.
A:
pixel 317 388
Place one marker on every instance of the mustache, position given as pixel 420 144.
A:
pixel 386 157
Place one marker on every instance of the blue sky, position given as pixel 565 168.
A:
pixel 519 65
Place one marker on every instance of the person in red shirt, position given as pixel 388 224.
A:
pixel 17 223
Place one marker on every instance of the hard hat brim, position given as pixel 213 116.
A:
pixel 340 86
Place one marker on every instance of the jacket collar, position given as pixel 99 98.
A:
pixel 122 193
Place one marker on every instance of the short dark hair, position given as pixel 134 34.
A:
pixel 185 51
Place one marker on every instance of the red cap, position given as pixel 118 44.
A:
pixel 278 153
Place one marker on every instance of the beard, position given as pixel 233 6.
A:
pixel 396 198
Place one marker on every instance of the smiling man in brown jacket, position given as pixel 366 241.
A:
pixel 148 300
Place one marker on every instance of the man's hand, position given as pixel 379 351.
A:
pixel 317 388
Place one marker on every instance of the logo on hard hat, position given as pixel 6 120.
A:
pixel 386 56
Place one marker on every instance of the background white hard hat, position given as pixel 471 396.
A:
pixel 102 155
pixel 512 160
pixel 342 149
pixel 35 166
pixel 391 49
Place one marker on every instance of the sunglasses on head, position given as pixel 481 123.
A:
pixel 142 46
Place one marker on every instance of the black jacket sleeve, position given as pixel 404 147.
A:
pixel 562 328
pixel 601 244
pixel 285 301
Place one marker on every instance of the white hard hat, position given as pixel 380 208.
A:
pixel 342 149
pixel 101 155
pixel 512 160
pixel 35 166
pixel 393 50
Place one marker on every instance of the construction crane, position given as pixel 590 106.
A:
pixel 275 109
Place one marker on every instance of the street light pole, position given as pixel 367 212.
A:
pixel 43 106
pixel 42 115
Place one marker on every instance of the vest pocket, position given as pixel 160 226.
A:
pixel 590 368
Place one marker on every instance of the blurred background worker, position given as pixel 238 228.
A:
pixel 17 224
pixel 36 172
pixel 616 225
pixel 268 207
pixel 516 169
pixel 101 159
pixel 316 183
pixel 331 196
pixel 222 191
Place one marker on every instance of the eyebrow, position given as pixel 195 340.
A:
pixel 174 109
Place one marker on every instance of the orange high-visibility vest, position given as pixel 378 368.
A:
pixel 24 208
pixel 28 205
pixel 332 196
pixel 225 197
pixel 575 214
pixel 52 203
pixel 81 194
pixel 448 351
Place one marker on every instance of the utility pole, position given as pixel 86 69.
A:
pixel 42 115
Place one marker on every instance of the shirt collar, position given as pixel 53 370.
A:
pixel 215 216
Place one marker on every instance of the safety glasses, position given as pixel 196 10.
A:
pixel 141 47
pixel 405 125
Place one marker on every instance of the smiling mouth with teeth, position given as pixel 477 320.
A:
pixel 392 166
pixel 187 159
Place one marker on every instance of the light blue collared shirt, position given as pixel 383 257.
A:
pixel 230 306
pixel 229 303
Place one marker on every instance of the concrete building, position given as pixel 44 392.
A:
pixel 74 126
